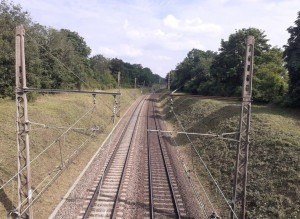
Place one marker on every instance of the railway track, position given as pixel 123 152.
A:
pixel 104 199
pixel 165 200
pixel 131 187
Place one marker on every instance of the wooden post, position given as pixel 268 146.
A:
pixel 240 179
pixel 23 155
pixel 134 83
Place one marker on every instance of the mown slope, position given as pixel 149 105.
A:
pixel 74 149
pixel 274 158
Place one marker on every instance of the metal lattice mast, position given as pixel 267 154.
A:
pixel 240 178
pixel 23 154
pixel 169 80
pixel 119 99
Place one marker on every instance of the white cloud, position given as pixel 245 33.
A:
pixel 184 45
pixel 126 24
pixel 190 25
pixel 120 50
pixel 107 51
pixel 163 58
pixel 171 21
pixel 158 34
pixel 129 50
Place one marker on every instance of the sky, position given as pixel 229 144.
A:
pixel 159 33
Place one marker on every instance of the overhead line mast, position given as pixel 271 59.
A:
pixel 241 166
pixel 23 154
pixel 24 208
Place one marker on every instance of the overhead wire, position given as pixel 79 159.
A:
pixel 198 180
pixel 59 169
pixel 46 148
pixel 96 128
pixel 58 139
pixel 108 151
pixel 60 62
pixel 202 205
pixel 34 40
pixel 204 164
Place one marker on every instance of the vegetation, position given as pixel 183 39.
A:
pixel 292 58
pixel 274 167
pixel 220 74
pixel 75 149
pixel 58 58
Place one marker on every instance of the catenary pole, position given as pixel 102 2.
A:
pixel 240 177
pixel 119 100
pixel 23 153
pixel 169 81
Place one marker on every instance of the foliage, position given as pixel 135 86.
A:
pixel 270 79
pixel 292 59
pixel 10 16
pixel 228 67
pixel 209 73
pixel 131 71
pixel 58 59
pixel 194 69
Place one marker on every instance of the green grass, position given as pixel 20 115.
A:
pixel 54 110
pixel 274 159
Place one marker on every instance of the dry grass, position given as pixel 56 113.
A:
pixel 54 110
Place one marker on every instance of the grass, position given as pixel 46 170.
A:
pixel 274 159
pixel 54 110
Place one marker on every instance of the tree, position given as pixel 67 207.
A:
pixel 101 73
pixel 193 70
pixel 270 79
pixel 10 16
pixel 57 59
pixel 292 59
pixel 228 67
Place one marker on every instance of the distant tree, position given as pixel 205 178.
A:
pixel 101 73
pixel 193 70
pixel 292 59
pixel 228 67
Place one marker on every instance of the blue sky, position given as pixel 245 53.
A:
pixel 159 33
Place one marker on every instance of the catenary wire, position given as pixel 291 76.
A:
pixel 43 151
pixel 204 164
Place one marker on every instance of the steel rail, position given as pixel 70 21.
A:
pixel 149 167
pixel 166 168
pixel 125 163
pixel 94 197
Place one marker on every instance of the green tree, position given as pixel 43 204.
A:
pixel 292 59
pixel 101 72
pixel 228 67
pixel 193 70
pixel 10 16
pixel 270 78
pixel 78 56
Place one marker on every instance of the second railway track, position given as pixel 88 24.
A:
pixel 105 198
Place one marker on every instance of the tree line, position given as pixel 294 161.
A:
pixel 276 74
pixel 58 58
